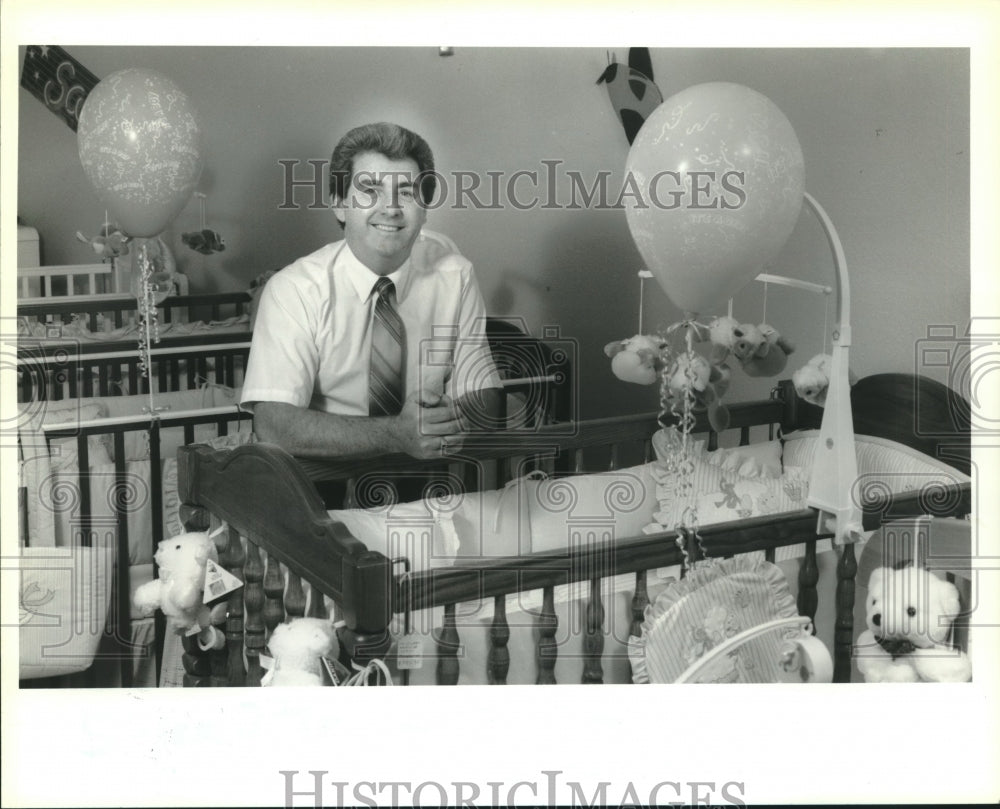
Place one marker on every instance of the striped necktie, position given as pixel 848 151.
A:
pixel 385 375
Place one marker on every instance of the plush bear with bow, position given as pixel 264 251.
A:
pixel 296 649
pixel 909 613
pixel 178 592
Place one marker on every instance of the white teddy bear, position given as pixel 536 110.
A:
pixel 178 592
pixel 909 613
pixel 296 649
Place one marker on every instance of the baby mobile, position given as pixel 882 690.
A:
pixel 204 241
pixel 139 140
pixel 740 152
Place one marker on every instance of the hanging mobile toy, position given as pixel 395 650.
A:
pixel 204 241
pixel 110 243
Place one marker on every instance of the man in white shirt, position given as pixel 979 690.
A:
pixel 309 375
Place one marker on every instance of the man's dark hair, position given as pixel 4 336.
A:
pixel 391 140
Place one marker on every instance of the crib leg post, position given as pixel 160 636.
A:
pixel 843 639
pixel 362 647
pixel 197 664
pixel 808 598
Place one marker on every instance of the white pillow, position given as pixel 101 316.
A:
pixel 762 459
pixel 882 463
pixel 420 531
pixel 712 494
pixel 738 498
pixel 569 511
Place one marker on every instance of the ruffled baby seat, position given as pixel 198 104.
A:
pixel 728 621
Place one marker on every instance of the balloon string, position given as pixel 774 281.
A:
pixel 642 286
pixel 763 317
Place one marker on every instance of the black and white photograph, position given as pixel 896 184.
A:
pixel 417 347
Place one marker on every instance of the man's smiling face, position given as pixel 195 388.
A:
pixel 382 214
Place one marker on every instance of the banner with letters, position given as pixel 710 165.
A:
pixel 57 80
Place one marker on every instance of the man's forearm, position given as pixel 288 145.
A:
pixel 480 410
pixel 313 434
pixel 423 429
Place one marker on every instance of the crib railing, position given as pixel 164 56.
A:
pixel 122 309
pixel 87 531
pixel 267 498
pixel 53 373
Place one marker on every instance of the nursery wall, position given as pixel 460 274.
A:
pixel 885 135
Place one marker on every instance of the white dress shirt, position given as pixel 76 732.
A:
pixel 312 336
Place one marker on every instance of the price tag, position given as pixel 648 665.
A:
pixel 410 652
pixel 334 672
pixel 218 582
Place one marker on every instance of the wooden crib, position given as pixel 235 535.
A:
pixel 275 518
pixel 103 399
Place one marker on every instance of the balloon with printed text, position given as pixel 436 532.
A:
pixel 716 179
pixel 139 140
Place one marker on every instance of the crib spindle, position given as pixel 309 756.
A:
pixel 232 560
pixel 613 462
pixel 274 592
pixel 498 662
pixel 197 666
pixel 548 623
pixel 640 600
pixel 317 606
pixel 808 577
pixel 843 634
pixel 448 644
pixel 295 597
pixel 593 639
pixel 253 597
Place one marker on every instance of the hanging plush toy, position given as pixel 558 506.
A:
pixel 707 382
pixel 178 592
pixel 812 380
pixel 761 350
pixel 638 359
pixel 204 241
pixel 723 334
pixel 110 243
pixel 909 613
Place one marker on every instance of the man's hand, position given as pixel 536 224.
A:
pixel 428 426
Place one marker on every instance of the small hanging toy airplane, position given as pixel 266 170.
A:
pixel 204 241
pixel 111 242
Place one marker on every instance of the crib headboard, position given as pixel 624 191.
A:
pixel 909 409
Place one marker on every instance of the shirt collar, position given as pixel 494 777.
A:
pixel 363 280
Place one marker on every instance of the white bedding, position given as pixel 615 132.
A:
pixel 566 513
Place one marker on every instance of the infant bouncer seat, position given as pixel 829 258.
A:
pixel 728 621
